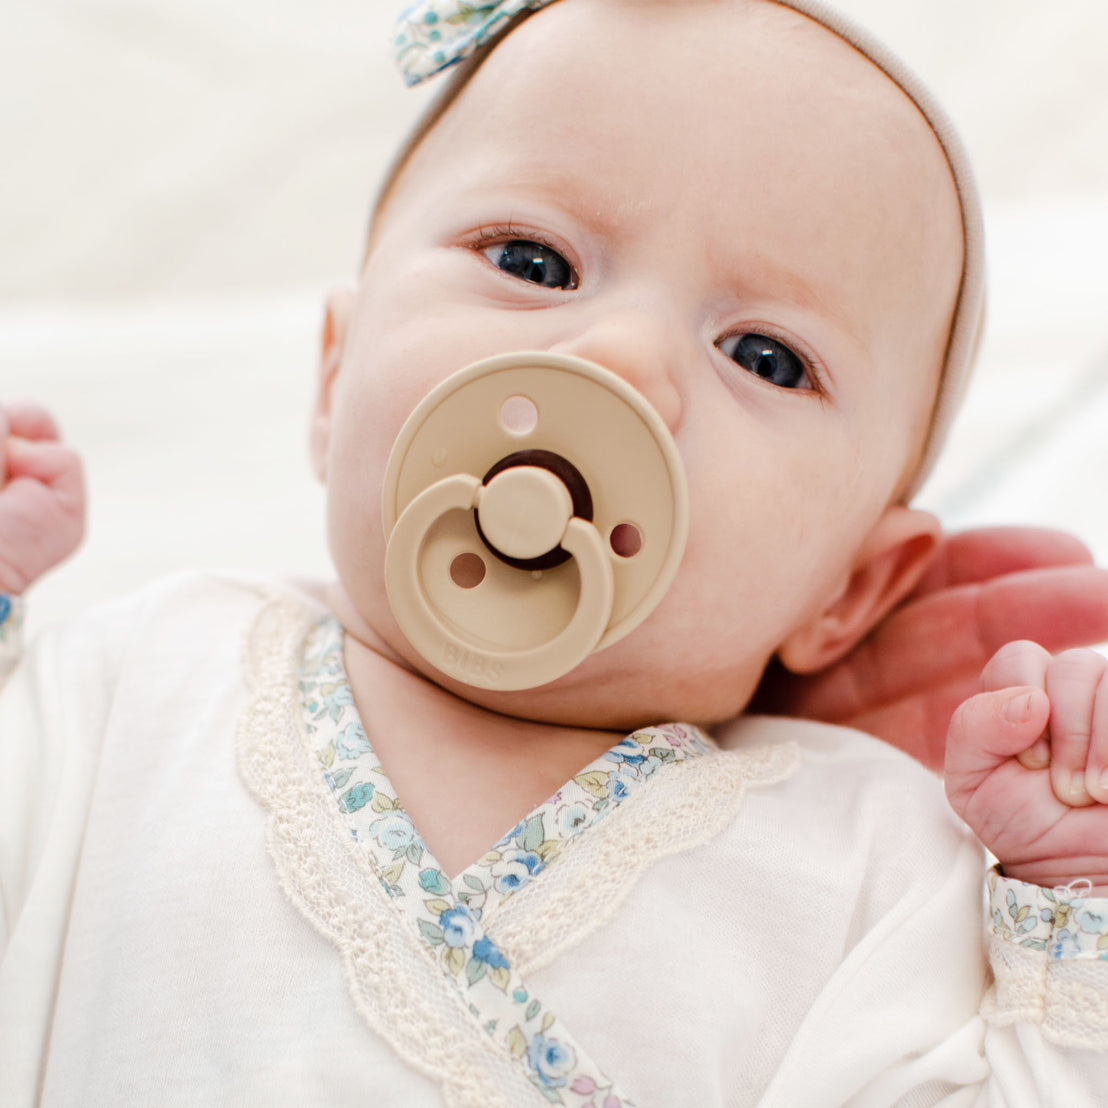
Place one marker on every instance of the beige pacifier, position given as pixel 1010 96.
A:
pixel 535 510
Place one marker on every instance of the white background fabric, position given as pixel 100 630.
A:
pixel 182 181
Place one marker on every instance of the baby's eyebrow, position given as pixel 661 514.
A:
pixel 559 187
pixel 758 271
pixel 759 276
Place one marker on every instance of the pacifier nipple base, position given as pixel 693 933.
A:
pixel 569 476
pixel 523 512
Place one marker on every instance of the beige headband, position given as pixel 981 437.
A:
pixel 969 312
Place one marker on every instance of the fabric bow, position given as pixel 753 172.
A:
pixel 435 34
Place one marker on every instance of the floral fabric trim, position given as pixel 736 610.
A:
pixel 11 618
pixel 447 913
pixel 1065 923
pixel 11 633
pixel 434 34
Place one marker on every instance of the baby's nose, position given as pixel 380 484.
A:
pixel 637 348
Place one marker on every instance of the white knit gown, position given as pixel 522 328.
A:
pixel 210 895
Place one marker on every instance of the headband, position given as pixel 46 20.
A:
pixel 435 34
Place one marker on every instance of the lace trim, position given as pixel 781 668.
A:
pixel 450 915
pixel 595 874
pixel 396 979
pixel 1049 953
pixel 394 984
pixel 378 820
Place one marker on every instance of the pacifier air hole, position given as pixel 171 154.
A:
pixel 519 415
pixel 467 570
pixel 625 540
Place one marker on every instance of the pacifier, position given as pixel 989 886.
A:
pixel 535 510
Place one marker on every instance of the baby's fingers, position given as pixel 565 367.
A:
pixel 1016 663
pixel 50 464
pixel 1076 685
pixel 992 727
pixel 1021 663
pixel 28 421
pixel 22 421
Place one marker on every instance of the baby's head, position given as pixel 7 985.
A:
pixel 727 205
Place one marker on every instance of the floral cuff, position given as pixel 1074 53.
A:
pixel 1065 922
pixel 11 632
pixel 11 616
pixel 1048 949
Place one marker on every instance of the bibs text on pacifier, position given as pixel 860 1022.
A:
pixel 535 510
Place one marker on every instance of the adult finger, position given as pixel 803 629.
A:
pixel 1072 681
pixel 950 636
pixel 972 557
pixel 918 724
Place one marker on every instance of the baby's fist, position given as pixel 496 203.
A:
pixel 42 497
pixel 1025 762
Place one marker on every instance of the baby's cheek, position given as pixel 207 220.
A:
pixel 781 533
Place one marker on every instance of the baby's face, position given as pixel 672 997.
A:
pixel 730 208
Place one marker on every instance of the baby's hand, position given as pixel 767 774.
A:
pixel 1027 764
pixel 42 497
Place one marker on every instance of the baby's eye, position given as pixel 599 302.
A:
pixel 534 262
pixel 768 358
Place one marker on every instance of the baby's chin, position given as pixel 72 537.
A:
pixel 611 690
pixel 643 679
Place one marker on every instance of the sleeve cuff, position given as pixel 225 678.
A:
pixel 1064 922
pixel 1049 954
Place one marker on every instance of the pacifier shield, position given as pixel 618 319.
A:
pixel 495 571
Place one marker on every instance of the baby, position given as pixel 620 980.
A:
pixel 736 212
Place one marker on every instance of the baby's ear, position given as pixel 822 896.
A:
pixel 889 564
pixel 336 323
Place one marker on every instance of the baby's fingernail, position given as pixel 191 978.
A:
pixel 1037 756
pixel 1073 785
pixel 1018 708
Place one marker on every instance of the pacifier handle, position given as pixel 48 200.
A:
pixel 524 512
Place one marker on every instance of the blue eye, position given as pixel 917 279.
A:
pixel 771 360
pixel 534 262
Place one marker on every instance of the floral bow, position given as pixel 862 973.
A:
pixel 435 34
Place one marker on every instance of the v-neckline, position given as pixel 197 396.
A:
pixel 305 754
pixel 378 821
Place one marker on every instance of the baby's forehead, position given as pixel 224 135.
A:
pixel 709 52
pixel 823 107
pixel 769 102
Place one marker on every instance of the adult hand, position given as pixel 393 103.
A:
pixel 42 496
pixel 985 588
